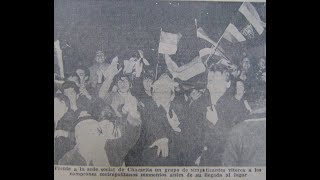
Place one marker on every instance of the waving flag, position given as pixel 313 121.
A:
pixel 246 24
pixel 232 34
pixel 168 42
pixel 58 61
pixel 252 16
pixel 186 71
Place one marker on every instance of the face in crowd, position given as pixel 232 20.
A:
pixel 123 84
pixel 100 58
pixel 163 91
pixel 262 63
pixel 246 64
pixel 82 75
pixel 88 134
pixel 218 83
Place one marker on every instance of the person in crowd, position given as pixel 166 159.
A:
pixel 125 107
pixel 97 70
pixel 257 85
pixel 62 140
pixel 126 136
pixel 70 119
pixel 143 92
pixel 245 69
pixel 195 124
pixel 121 95
pixel 91 137
pixel 246 143
pixel 217 114
pixel 238 106
pixel 161 132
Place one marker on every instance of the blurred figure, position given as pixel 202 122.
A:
pixel 196 123
pixel 97 70
pixel 125 108
pixel 90 143
pixel 217 115
pixel 246 144
pixel 162 118
pixel 245 69
pixel 124 136
pixel 63 140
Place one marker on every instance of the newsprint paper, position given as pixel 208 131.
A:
pixel 159 89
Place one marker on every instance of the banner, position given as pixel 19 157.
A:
pixel 168 43
pixel 186 71
pixel 246 24
pixel 58 58
pixel 252 16
pixel 232 34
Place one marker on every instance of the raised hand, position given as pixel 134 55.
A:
pixel 112 70
pixel 163 147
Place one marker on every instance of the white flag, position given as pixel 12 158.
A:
pixel 232 34
pixel 168 43
pixel 252 16
pixel 58 53
pixel 186 71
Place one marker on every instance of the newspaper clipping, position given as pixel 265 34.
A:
pixel 159 89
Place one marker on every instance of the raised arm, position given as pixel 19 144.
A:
pixel 111 71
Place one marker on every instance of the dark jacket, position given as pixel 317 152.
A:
pixel 246 144
pixel 230 112
pixel 73 158
pixel 155 126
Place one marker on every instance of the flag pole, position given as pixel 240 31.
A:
pixel 158 58
pixel 196 23
pixel 215 48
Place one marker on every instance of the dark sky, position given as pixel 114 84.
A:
pixel 115 26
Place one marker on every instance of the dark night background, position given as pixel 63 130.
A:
pixel 118 26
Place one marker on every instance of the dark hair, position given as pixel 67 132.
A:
pixel 84 68
pixel 63 98
pixel 119 77
pixel 107 113
pixel 70 84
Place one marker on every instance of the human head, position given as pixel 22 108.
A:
pixel 100 58
pixel 108 129
pixel 107 113
pixel 163 90
pixel 123 83
pixel 88 135
pixel 82 74
pixel 218 81
pixel 61 106
pixel 245 64
pixel 70 89
pixel 74 78
pixel 262 63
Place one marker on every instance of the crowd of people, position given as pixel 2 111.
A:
pixel 104 116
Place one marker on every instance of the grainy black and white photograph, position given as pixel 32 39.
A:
pixel 159 83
